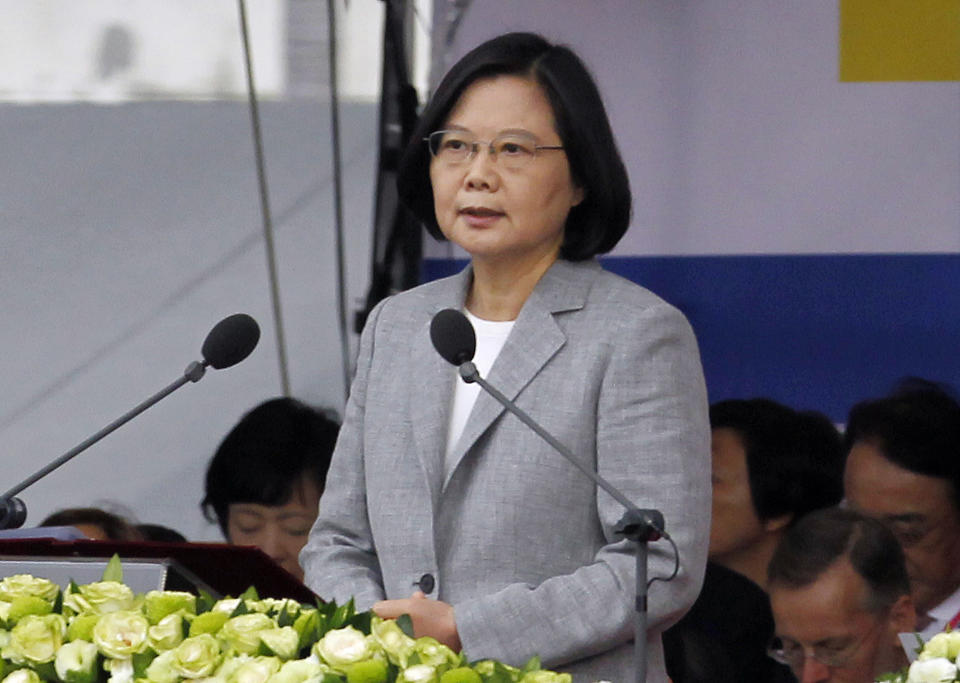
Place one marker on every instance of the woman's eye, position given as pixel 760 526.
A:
pixel 514 149
pixel 454 145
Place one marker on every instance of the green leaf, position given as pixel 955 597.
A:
pixel 533 664
pixel 58 603
pixel 205 602
pixel 250 594
pixel 342 614
pixel 114 570
pixel 406 624
pixel 141 661
pixel 285 618
pixel 363 622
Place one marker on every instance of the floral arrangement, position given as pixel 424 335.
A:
pixel 104 633
pixel 938 661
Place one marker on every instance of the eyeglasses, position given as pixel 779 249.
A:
pixel 791 653
pixel 510 150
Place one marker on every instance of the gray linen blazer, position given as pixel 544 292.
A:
pixel 518 540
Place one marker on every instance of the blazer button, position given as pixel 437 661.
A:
pixel 426 583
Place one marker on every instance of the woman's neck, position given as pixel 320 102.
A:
pixel 499 290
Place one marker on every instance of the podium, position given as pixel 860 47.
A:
pixel 217 568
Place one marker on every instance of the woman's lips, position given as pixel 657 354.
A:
pixel 479 217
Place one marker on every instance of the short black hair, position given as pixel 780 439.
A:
pixel 794 458
pixel 916 427
pixel 820 539
pixel 262 458
pixel 597 223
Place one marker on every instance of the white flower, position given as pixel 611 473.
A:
pixel 20 585
pixel 254 670
pixel 342 647
pixel 159 604
pixel 121 635
pixel 166 634
pixel 36 639
pixel 101 597
pixel 931 671
pixel 418 673
pixel 22 676
pixel 298 671
pixel 76 662
pixel 121 670
pixel 242 634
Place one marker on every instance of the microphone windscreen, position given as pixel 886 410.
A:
pixel 230 341
pixel 453 336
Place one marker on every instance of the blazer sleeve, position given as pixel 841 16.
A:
pixel 339 559
pixel 652 444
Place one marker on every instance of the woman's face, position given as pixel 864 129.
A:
pixel 494 212
pixel 278 530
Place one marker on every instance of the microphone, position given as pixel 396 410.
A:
pixel 229 342
pixel 454 338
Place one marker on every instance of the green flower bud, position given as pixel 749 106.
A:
pixel 167 634
pixel 242 634
pixel 283 642
pixel 462 674
pixel 158 604
pixel 76 662
pixel 81 627
pixel 208 622
pixel 120 635
pixel 27 604
pixel 369 671
pixel 35 639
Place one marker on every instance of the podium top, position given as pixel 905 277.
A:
pixel 227 569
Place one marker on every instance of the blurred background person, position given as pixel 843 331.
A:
pixel 903 468
pixel 95 524
pixel 770 466
pixel 263 484
pixel 840 597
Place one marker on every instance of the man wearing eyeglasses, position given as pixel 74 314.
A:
pixel 903 468
pixel 840 595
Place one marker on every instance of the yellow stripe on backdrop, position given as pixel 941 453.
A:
pixel 899 40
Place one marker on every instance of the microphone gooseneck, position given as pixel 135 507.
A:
pixel 453 336
pixel 230 341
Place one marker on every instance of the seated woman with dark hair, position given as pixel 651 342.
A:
pixel 264 482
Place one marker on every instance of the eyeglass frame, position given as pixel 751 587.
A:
pixel 778 656
pixel 491 151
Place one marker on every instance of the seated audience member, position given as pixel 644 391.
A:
pixel 95 524
pixel 162 534
pixel 264 482
pixel 771 465
pixel 903 467
pixel 840 596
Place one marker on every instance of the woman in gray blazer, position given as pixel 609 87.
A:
pixel 442 505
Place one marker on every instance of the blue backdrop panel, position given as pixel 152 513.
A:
pixel 813 331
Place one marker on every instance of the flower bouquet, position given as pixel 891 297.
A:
pixel 938 661
pixel 104 633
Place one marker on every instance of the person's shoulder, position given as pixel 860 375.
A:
pixel 414 306
pixel 626 298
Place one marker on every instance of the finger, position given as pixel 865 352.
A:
pixel 389 609
pixel 418 595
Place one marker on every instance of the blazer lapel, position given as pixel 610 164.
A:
pixel 432 379
pixel 533 341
